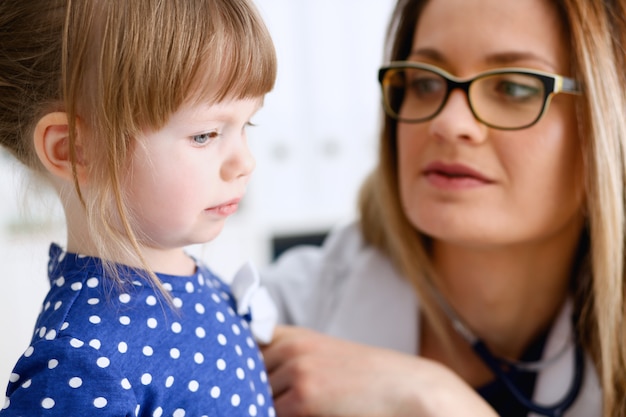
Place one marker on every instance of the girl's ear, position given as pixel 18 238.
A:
pixel 52 145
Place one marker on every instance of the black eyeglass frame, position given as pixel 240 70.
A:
pixel 553 84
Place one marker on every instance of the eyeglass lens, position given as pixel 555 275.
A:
pixel 505 100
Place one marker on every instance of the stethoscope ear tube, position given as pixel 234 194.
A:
pixel 556 410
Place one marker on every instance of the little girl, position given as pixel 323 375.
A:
pixel 136 112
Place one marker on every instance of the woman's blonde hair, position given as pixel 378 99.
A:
pixel 597 31
pixel 116 68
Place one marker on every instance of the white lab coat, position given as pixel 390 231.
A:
pixel 350 290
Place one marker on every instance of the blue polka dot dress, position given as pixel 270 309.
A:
pixel 99 350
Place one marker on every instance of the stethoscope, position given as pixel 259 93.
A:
pixel 497 366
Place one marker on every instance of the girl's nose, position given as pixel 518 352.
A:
pixel 240 162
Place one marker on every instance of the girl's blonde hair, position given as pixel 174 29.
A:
pixel 116 68
pixel 597 31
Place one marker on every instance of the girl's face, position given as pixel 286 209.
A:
pixel 467 184
pixel 188 177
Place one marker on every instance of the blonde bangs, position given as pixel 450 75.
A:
pixel 162 54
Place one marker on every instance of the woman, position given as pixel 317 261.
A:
pixel 490 242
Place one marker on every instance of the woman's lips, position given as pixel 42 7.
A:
pixel 454 176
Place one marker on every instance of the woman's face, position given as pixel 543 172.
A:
pixel 465 183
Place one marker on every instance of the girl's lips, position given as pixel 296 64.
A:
pixel 454 176
pixel 225 209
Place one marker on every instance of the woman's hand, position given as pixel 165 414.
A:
pixel 316 375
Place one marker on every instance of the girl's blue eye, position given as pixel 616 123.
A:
pixel 203 138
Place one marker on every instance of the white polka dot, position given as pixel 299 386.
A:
pixel 260 400
pixel 95 343
pixel 252 410
pixel 221 339
pixel 151 300
pixel 47 306
pixel 189 287
pixel 215 392
pixel 103 362
pixel 225 296
pixel 124 298
pixel 169 381
pixel 236 329
pixel 231 311
pixel 77 286
pixel 220 317
pixel 179 413
pixel 251 364
pixel 47 403
pixel 177 302
pixel 146 379
pixel 240 373
pixel 126 384
pixel 137 409
pixel 15 377
pixel 51 334
pixel 271 412
pixel 93 301
pixel 176 327
pixel 200 308
pixel 200 332
pixel 235 400
pixel 76 343
pixel 200 279
pixel 92 282
pixel 158 412
pixel 60 282
pixel 75 382
pixel 198 358
pixel 221 364
pixel 152 323
pixel 167 286
pixel 125 320
pixel 42 332
pixel 65 326
pixel 147 351
pixel 27 383
pixel 175 353
pixel 193 386
pixel 122 347
pixel 53 363
pixel 58 305
pixel 216 298
pixel 263 376
pixel 250 342
pixel 238 350
pixel 100 402
pixel 94 320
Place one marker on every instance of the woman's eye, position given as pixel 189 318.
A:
pixel 203 138
pixel 424 86
pixel 518 91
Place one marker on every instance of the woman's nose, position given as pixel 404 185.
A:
pixel 456 121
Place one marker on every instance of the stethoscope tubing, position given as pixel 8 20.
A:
pixel 556 410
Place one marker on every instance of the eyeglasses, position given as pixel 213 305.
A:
pixel 508 98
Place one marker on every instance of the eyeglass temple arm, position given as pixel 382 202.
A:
pixel 567 85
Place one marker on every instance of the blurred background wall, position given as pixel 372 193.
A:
pixel 314 142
